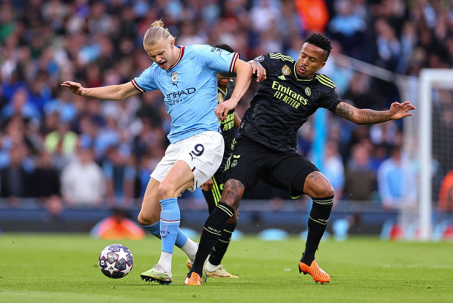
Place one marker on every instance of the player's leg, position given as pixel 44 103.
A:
pixel 242 171
pixel 149 218
pixel 178 179
pixel 319 189
pixel 297 175
pixel 152 212
pixel 213 267
pixel 212 196
pixel 232 194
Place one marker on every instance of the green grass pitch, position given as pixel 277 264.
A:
pixel 63 268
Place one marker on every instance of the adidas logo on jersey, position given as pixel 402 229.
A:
pixel 282 77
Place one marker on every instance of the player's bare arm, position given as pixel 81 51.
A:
pixel 258 70
pixel 111 92
pixel 244 77
pixel 368 116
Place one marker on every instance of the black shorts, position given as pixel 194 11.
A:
pixel 252 161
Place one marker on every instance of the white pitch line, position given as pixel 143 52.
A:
pixel 416 266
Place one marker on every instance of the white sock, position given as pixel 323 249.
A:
pixel 190 248
pixel 165 261
pixel 210 267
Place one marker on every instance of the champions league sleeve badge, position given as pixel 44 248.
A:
pixel 259 58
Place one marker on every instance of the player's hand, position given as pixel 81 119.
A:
pixel 75 87
pixel 259 70
pixel 207 186
pixel 223 108
pixel 400 110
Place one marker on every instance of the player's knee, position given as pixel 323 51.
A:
pixel 325 190
pixel 147 219
pixel 166 190
pixel 319 186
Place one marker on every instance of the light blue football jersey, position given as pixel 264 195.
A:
pixel 189 88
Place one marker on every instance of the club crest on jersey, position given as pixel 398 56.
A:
pixel 308 91
pixel 174 76
pixel 220 97
pixel 286 70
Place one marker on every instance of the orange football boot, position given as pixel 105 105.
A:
pixel 189 263
pixel 315 271
pixel 194 279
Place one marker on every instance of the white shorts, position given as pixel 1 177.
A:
pixel 203 153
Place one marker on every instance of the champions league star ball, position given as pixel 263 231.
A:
pixel 116 261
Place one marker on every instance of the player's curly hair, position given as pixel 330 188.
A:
pixel 225 47
pixel 320 41
pixel 156 32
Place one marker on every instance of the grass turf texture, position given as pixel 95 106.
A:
pixel 63 268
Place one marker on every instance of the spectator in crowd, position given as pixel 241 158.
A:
pixel 15 178
pixel 348 28
pixel 45 180
pixel 46 186
pixel 63 137
pixel 388 46
pixel 333 169
pixel 82 181
pixel 395 181
pixel 119 175
pixel 360 179
pixel 20 105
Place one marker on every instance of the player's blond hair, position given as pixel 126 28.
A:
pixel 156 32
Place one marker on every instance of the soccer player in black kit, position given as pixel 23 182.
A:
pixel 212 190
pixel 266 147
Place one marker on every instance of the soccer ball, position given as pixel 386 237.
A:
pixel 116 261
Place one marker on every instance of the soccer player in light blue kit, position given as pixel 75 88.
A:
pixel 187 76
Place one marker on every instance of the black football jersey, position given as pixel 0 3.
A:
pixel 227 125
pixel 283 103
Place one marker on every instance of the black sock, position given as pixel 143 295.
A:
pixel 317 223
pixel 211 232
pixel 221 246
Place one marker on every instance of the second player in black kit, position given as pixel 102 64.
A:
pixel 266 147
pixel 288 100
pixel 212 190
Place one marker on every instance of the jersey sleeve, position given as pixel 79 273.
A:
pixel 272 62
pixel 331 100
pixel 216 59
pixel 145 82
pixel 265 61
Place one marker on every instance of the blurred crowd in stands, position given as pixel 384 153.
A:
pixel 66 150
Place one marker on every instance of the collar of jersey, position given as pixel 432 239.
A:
pixel 181 54
pixel 297 78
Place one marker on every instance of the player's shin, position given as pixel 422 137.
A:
pixel 182 241
pixel 221 246
pixel 169 227
pixel 317 223
pixel 210 234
